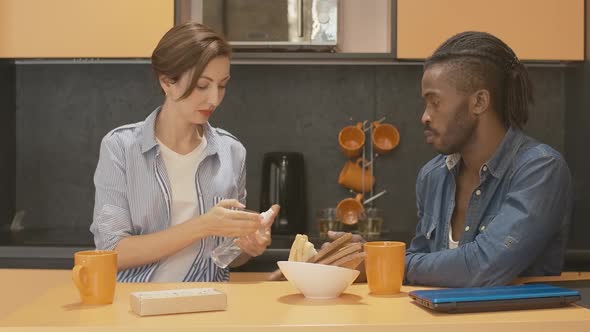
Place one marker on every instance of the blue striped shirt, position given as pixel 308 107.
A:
pixel 133 192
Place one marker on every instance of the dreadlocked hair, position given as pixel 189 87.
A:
pixel 480 60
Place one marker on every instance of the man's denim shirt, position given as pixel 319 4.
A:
pixel 516 222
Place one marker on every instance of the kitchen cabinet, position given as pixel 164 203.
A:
pixel 384 32
pixel 365 27
pixel 83 28
pixel 535 29
pixel 364 30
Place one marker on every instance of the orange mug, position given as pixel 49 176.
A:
pixel 356 176
pixel 384 265
pixel 95 275
pixel 351 140
pixel 385 137
pixel 348 211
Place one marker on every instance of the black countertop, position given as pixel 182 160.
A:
pixel 54 249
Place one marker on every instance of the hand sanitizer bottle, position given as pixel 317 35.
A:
pixel 228 250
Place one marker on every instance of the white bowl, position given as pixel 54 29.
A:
pixel 318 281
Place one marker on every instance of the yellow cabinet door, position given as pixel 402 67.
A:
pixel 83 28
pixel 535 29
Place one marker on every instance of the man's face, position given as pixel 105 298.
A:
pixel 448 122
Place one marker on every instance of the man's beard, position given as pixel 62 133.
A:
pixel 459 132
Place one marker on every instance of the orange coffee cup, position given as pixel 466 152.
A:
pixel 348 211
pixel 351 140
pixel 384 265
pixel 385 137
pixel 95 275
pixel 356 177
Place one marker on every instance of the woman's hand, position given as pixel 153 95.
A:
pixel 255 244
pixel 222 221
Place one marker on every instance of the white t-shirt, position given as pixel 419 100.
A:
pixel 181 171
pixel 452 244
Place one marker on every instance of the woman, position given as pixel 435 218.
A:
pixel 168 188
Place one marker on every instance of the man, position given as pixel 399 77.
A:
pixel 495 204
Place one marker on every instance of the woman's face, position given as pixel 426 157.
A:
pixel 207 95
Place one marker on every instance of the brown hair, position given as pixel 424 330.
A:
pixel 185 47
pixel 481 60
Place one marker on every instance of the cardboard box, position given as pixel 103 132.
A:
pixel 177 301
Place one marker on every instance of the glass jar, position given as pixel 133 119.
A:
pixel 326 220
pixel 370 224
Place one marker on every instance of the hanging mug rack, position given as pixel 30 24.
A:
pixel 358 174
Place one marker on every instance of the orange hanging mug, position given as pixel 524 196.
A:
pixel 351 140
pixel 356 176
pixel 95 275
pixel 350 209
pixel 385 137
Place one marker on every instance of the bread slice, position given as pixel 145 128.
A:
pixel 331 247
pixel 335 252
pixel 350 261
pixel 307 252
pixel 348 249
pixel 295 246
pixel 301 249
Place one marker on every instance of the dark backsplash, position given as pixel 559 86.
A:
pixel 63 111
pixel 7 141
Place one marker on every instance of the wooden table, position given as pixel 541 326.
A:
pixel 44 299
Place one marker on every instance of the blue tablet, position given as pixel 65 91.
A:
pixel 531 296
